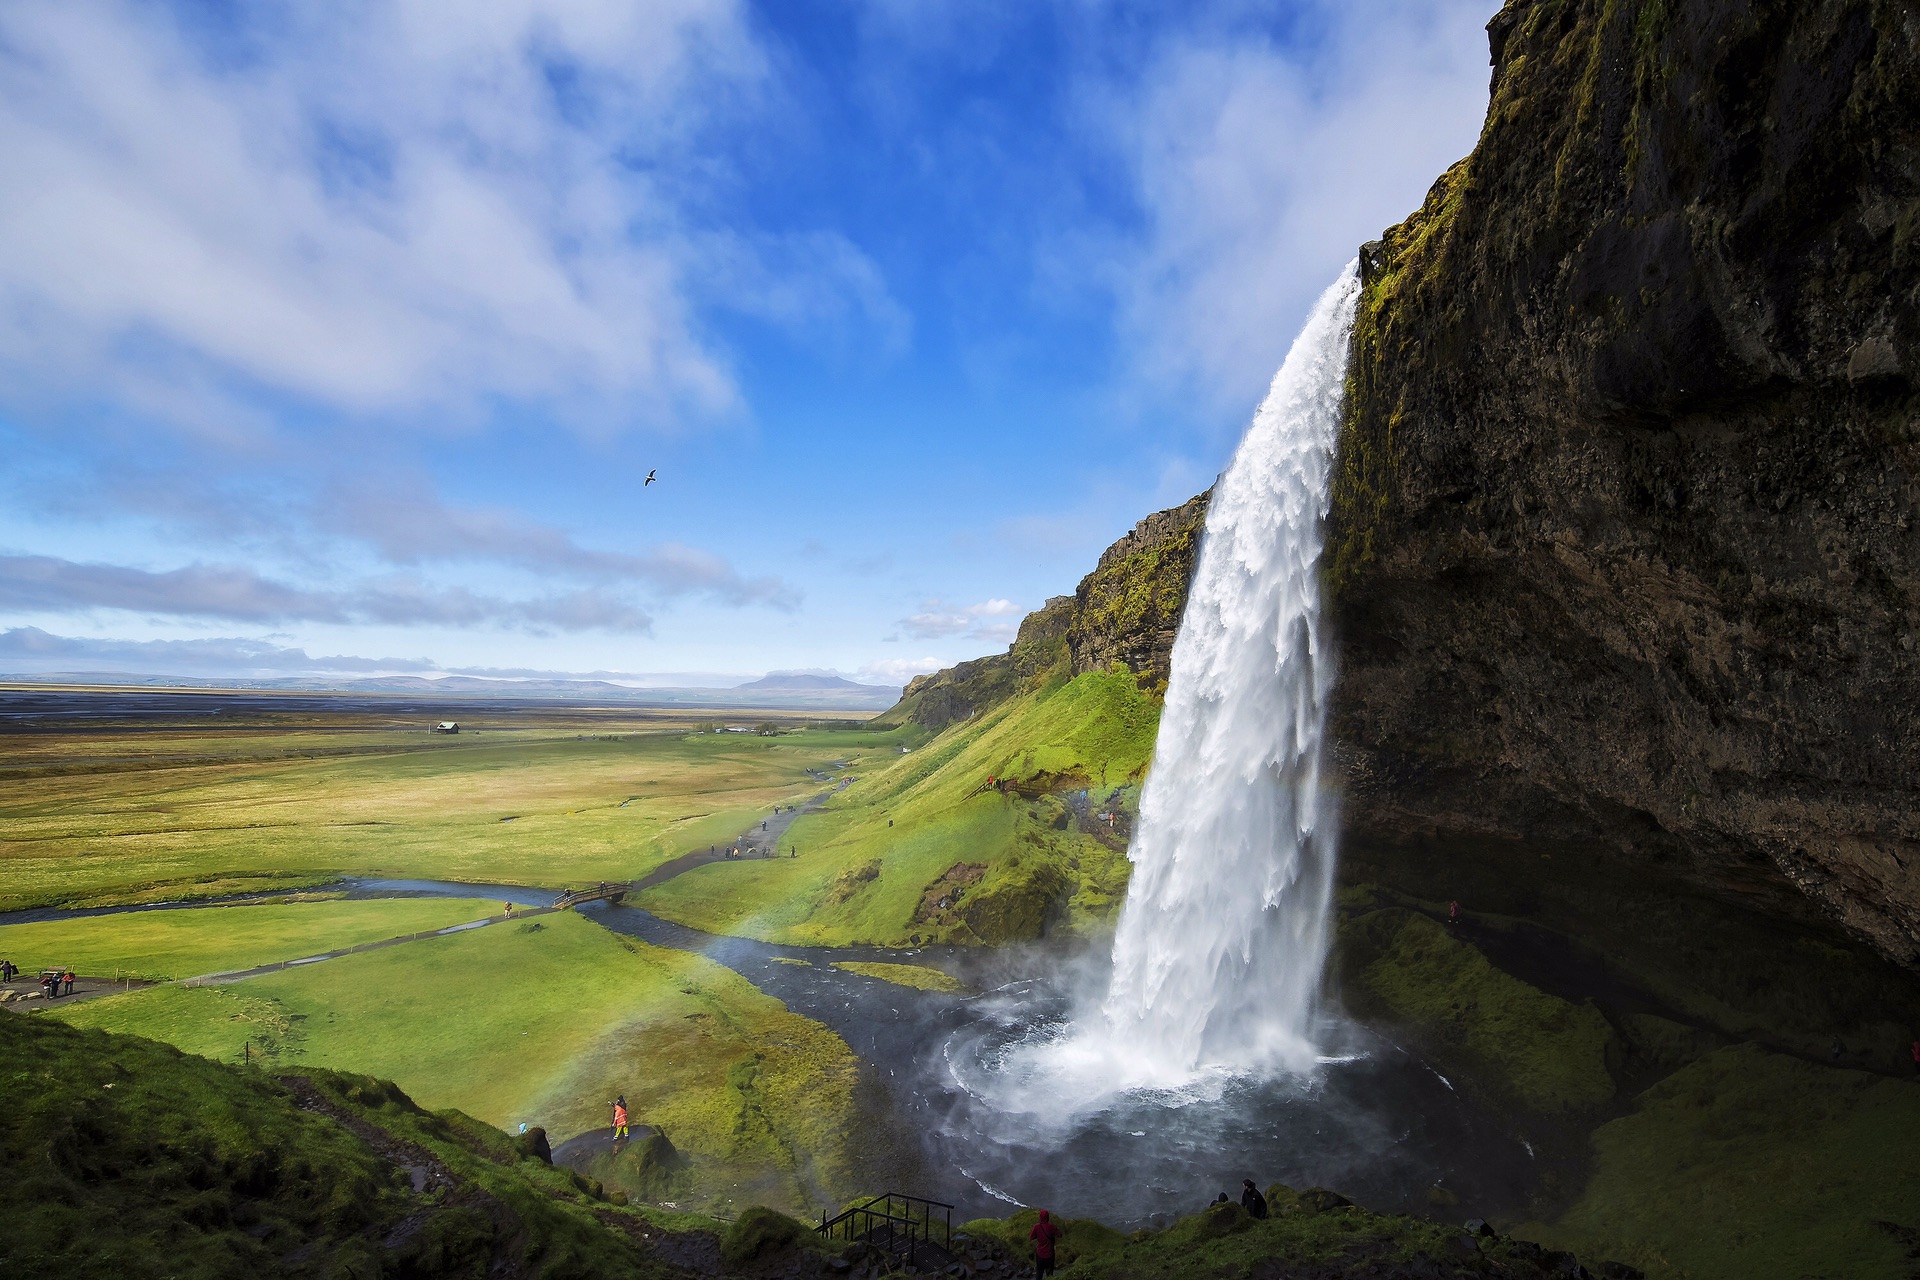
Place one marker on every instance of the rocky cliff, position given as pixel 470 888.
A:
pixel 1127 611
pixel 1624 548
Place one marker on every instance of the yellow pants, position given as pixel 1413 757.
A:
pixel 619 1131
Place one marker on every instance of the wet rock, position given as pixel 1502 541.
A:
pixel 1479 1227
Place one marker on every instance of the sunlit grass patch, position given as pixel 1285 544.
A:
pixel 918 976
pixel 1001 864
pixel 191 941
pixel 544 1022
pixel 264 816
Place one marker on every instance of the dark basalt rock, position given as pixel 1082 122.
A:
pixel 1624 549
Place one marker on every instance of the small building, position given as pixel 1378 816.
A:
pixel 447 726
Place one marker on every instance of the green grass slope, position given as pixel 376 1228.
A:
pixel 124 1159
pixel 1312 1235
pixel 1749 1165
pixel 543 1023
pixel 192 941
pixel 1501 1037
pixel 921 846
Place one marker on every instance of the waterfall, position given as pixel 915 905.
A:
pixel 1218 954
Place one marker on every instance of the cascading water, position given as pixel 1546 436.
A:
pixel 1199 1064
pixel 1220 945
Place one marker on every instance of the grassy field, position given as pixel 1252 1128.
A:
pixel 1749 1165
pixel 192 941
pixel 921 847
pixel 543 1022
pixel 170 813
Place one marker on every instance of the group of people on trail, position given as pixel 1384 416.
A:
pixel 53 981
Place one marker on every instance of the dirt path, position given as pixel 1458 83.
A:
pixel 762 841
pixel 22 995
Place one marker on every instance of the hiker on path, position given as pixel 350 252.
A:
pixel 48 987
pixel 8 971
pixel 1043 1235
pixel 1251 1200
pixel 620 1117
pixel 67 978
pixel 1453 912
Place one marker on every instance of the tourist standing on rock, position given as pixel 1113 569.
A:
pixel 1043 1235
pixel 1251 1200
pixel 620 1117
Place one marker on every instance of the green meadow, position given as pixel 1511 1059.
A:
pixel 178 814
pixel 543 1022
pixel 921 846
pixel 186 943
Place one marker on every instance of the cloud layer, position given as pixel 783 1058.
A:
pixel 990 620
pixel 48 584
pixel 388 212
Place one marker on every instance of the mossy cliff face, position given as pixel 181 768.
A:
pixel 1126 611
pixel 1624 551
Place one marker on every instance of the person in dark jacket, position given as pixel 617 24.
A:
pixel 1251 1200
pixel 1044 1233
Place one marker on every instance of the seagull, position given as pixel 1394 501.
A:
pixel 648 480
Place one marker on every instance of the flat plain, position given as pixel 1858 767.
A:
pixel 538 1021
pixel 266 801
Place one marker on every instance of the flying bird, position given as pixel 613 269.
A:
pixel 649 479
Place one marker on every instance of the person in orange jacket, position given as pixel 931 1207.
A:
pixel 620 1117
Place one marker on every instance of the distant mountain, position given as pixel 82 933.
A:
pixel 799 680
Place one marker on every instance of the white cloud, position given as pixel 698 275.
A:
pixel 897 671
pixel 387 208
pixel 48 584
pixel 1261 169
pixel 937 621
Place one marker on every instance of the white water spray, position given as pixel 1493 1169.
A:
pixel 1217 960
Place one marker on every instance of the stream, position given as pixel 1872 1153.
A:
pixel 1372 1120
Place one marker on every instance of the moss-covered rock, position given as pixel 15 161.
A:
pixel 1499 1035
pixel 760 1235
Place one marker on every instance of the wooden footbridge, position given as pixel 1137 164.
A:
pixel 607 893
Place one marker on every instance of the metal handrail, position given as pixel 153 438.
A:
pixel 896 1220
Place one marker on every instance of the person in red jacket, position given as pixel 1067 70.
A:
pixel 620 1117
pixel 1043 1235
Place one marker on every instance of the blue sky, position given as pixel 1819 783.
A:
pixel 340 337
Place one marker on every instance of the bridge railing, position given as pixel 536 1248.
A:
pixel 899 1224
